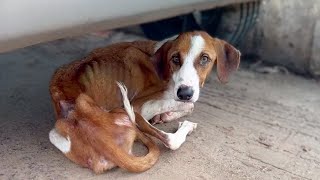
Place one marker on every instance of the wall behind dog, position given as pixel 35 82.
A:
pixel 287 33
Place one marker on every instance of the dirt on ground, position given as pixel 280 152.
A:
pixel 258 126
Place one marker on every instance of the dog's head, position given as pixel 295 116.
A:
pixel 187 59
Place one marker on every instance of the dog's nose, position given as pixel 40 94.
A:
pixel 185 93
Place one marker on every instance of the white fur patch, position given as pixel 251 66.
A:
pixel 177 139
pixel 187 74
pixel 62 143
pixel 174 141
pixel 147 110
pixel 154 107
pixel 126 102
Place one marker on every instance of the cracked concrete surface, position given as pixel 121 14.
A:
pixel 258 126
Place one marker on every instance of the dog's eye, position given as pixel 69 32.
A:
pixel 176 59
pixel 204 60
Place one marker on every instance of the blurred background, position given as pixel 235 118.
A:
pixel 284 33
pixel 277 32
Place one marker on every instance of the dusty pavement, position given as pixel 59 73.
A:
pixel 259 126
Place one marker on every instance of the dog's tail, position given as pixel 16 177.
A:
pixel 132 163
pixel 126 102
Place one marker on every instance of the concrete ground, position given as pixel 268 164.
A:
pixel 258 126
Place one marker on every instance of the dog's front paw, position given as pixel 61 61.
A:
pixel 156 120
pixel 164 117
pixel 188 125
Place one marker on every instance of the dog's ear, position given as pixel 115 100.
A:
pixel 228 59
pixel 160 61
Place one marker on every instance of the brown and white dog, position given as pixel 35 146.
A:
pixel 163 80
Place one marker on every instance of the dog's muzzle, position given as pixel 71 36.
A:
pixel 185 93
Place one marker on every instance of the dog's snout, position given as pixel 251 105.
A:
pixel 185 93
